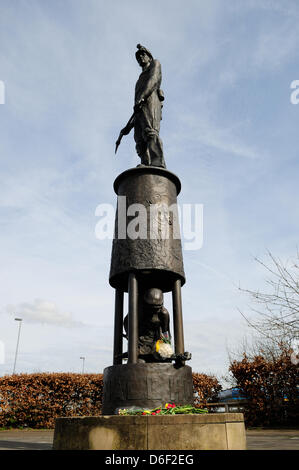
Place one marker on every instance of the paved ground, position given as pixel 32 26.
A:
pixel 18 439
pixel 276 439
pixel 257 439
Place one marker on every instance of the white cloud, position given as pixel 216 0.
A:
pixel 43 311
pixel 276 45
pixel 223 139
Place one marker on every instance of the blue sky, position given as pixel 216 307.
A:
pixel 229 132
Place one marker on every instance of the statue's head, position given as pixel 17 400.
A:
pixel 143 56
pixel 154 297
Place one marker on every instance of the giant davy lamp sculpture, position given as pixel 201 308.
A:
pixel 146 264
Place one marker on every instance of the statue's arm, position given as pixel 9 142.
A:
pixel 154 80
pixel 164 317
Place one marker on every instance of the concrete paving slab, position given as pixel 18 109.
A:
pixel 257 439
pixel 29 439
pixel 272 439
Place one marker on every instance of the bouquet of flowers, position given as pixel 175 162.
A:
pixel 168 409
pixel 163 346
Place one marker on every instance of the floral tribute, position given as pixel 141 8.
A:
pixel 163 346
pixel 168 409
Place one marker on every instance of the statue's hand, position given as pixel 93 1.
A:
pixel 124 131
pixel 138 105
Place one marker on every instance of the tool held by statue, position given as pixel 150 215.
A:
pixel 130 124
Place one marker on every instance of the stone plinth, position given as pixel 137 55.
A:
pixel 213 431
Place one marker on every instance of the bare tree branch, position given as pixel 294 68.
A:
pixel 277 316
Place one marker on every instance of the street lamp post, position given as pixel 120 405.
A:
pixel 83 363
pixel 20 323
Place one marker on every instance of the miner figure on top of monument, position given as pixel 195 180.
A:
pixel 147 111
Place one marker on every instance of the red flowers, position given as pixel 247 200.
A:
pixel 169 405
pixel 156 412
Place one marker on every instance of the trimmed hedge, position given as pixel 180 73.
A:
pixel 35 400
pixel 207 388
pixel 270 386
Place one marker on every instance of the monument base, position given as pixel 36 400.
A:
pixel 146 385
pixel 213 431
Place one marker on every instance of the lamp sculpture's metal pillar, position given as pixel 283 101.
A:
pixel 118 327
pixel 178 317
pixel 133 320
pixel 147 262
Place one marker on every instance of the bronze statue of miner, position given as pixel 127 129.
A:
pixel 147 111
pixel 154 342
